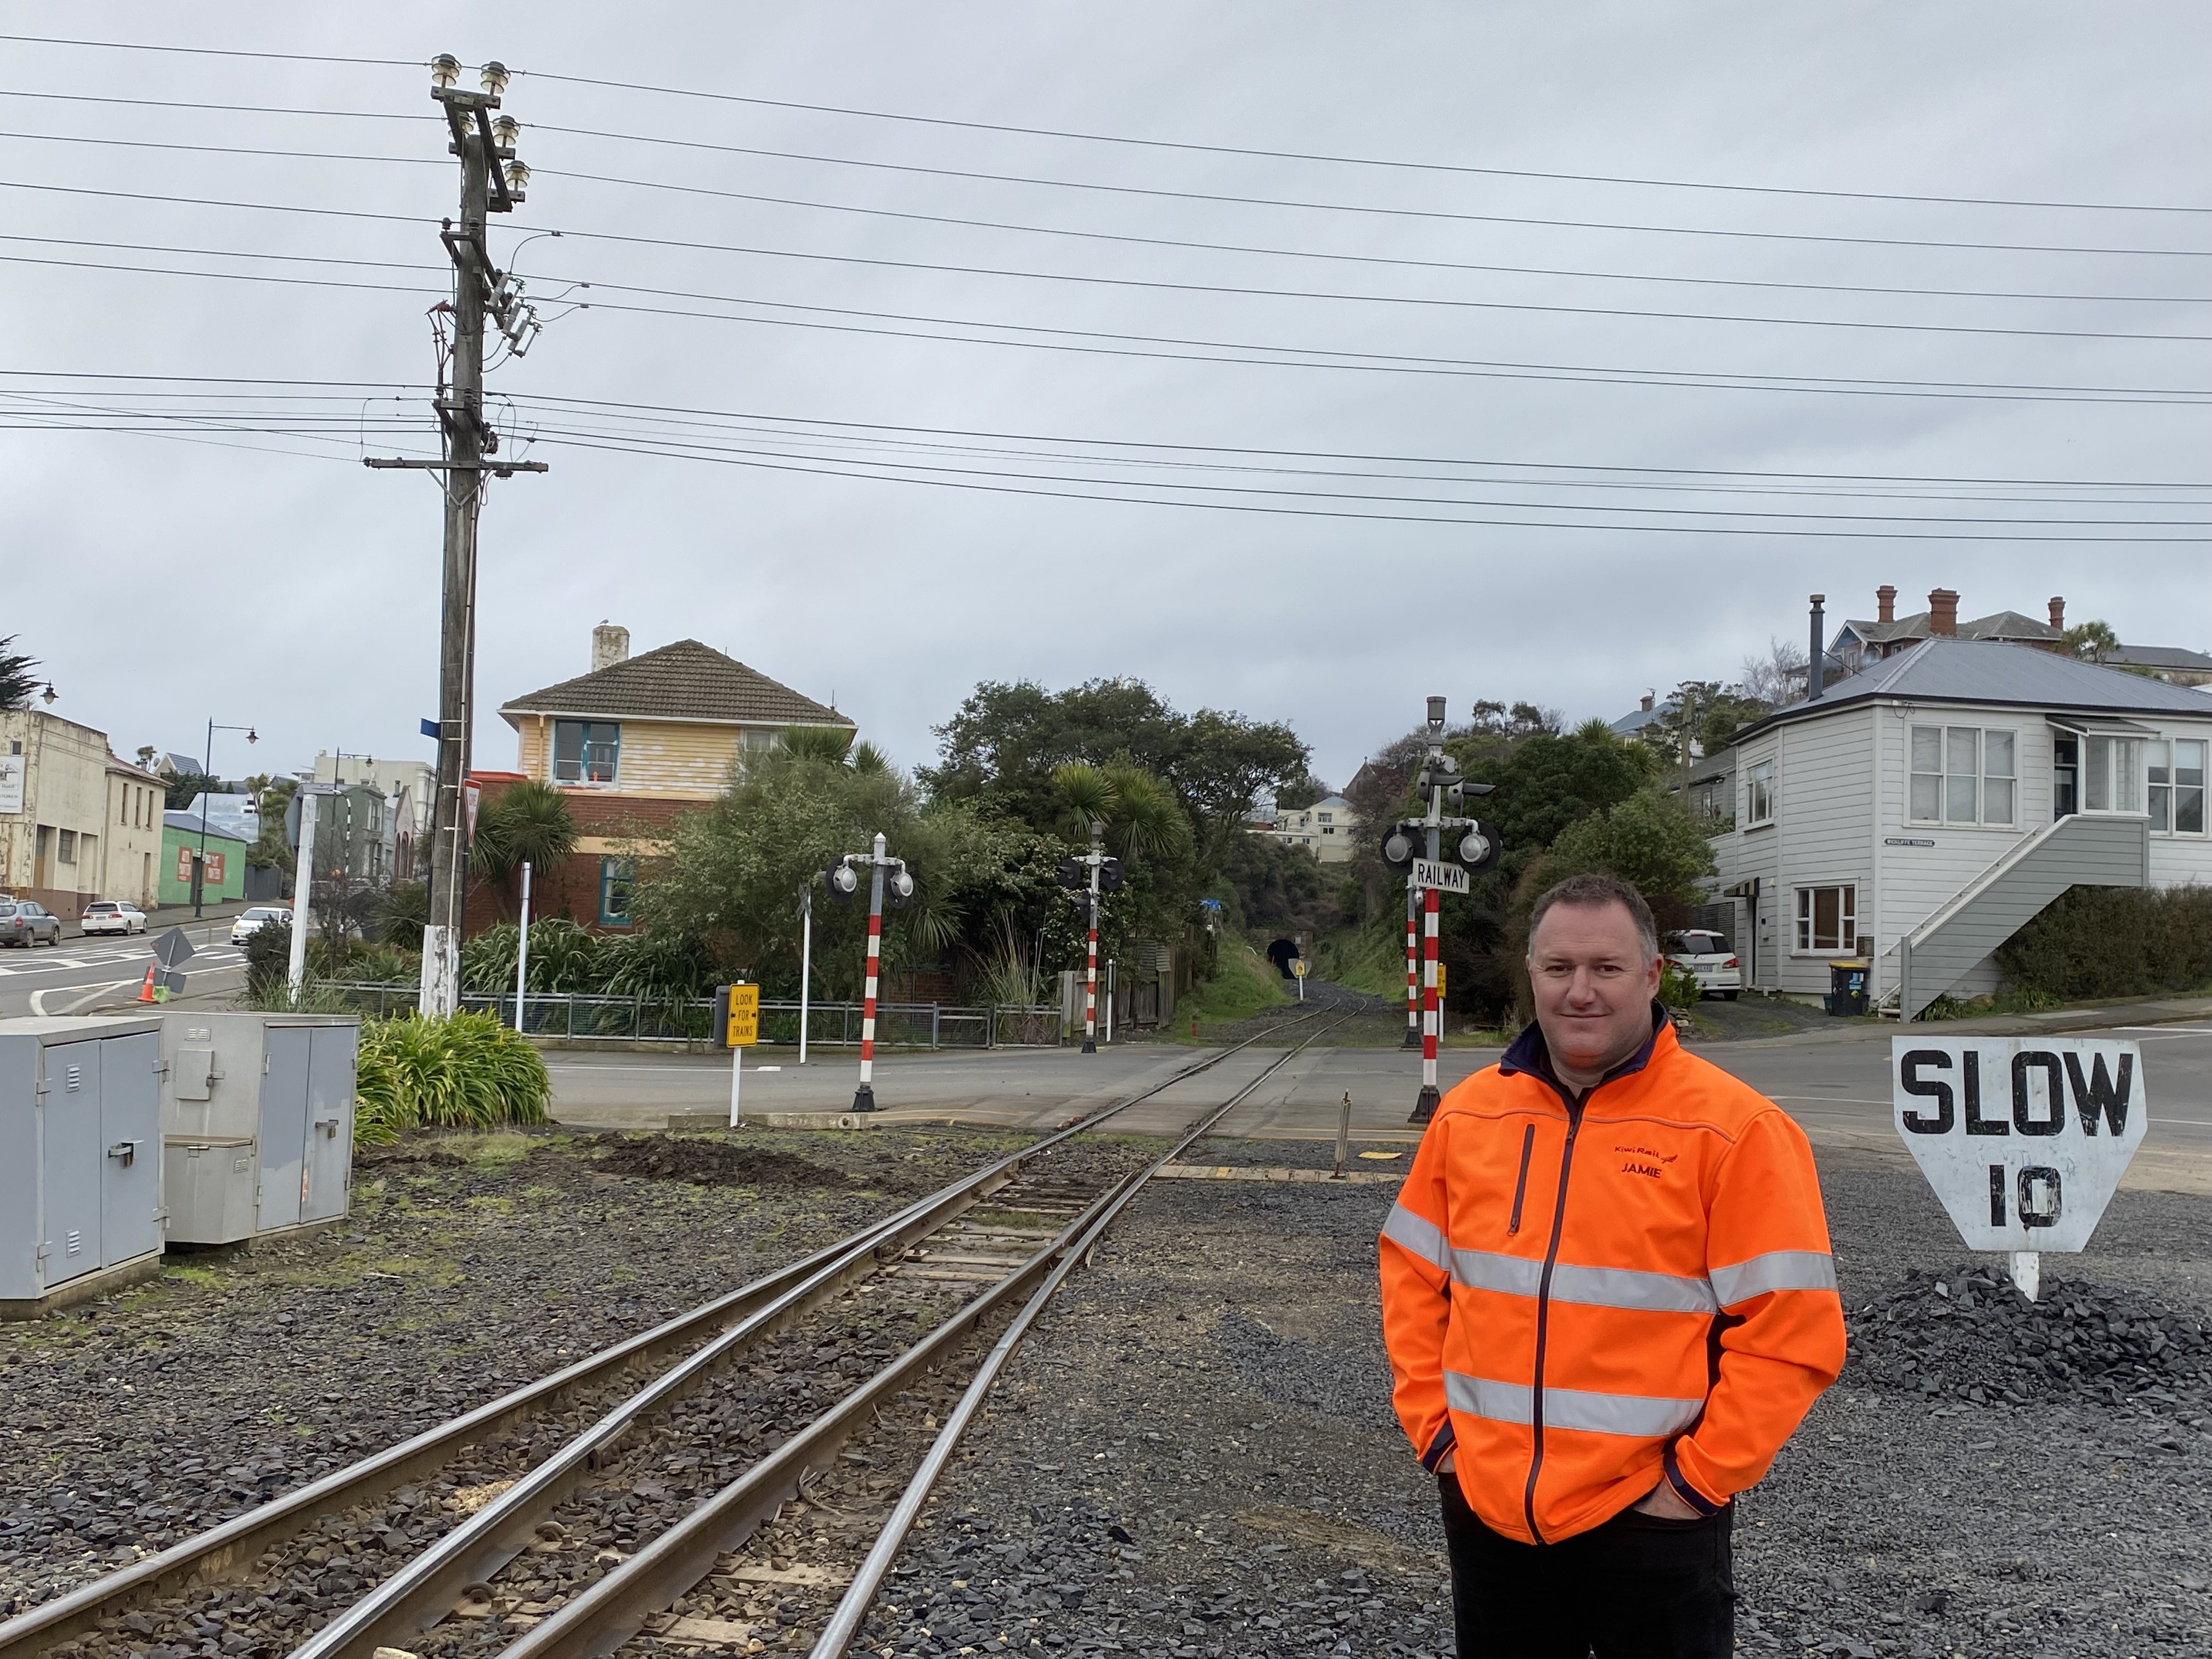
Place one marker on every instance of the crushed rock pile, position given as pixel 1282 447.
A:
pixel 1965 1333
pixel 715 1163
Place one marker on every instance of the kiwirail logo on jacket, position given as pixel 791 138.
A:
pixel 1583 1298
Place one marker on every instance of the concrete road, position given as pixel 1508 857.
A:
pixel 86 975
pixel 1836 1085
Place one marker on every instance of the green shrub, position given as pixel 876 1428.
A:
pixel 2114 942
pixel 268 958
pixel 1678 987
pixel 468 1072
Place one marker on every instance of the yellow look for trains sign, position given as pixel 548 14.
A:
pixel 743 1030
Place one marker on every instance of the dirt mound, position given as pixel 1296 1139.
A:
pixel 1967 1334
pixel 716 1163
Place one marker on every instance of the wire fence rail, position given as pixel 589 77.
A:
pixel 583 1017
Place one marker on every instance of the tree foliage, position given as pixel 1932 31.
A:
pixel 529 823
pixel 1002 748
pixel 19 677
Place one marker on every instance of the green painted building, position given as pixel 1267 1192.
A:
pixel 226 857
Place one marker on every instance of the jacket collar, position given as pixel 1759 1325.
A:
pixel 1530 1053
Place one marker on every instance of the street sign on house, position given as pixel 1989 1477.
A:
pixel 2023 1139
pixel 1440 874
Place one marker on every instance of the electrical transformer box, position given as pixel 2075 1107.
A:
pixel 256 1122
pixel 80 1157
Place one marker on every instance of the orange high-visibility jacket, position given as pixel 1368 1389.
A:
pixel 1582 1299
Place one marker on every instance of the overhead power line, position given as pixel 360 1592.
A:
pixel 1462 169
pixel 1177 349
pixel 133 384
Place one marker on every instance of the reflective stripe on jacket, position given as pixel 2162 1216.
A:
pixel 1581 1299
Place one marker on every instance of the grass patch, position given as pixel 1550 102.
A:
pixel 205 1279
pixel 1361 962
pixel 1244 983
pixel 983 1218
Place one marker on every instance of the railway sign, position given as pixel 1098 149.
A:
pixel 2023 1139
pixel 1441 874
pixel 741 1029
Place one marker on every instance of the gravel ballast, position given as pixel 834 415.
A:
pixel 1196 1457
pixel 468 1267
pixel 1193 1455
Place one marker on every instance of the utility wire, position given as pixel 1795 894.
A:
pixel 1146 346
pixel 1332 513
pixel 1350 160
pixel 353 390
pixel 1146 144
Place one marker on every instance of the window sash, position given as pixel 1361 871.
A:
pixel 586 751
pixel 1758 793
pixel 1827 918
pixel 617 877
pixel 1963 775
pixel 2112 774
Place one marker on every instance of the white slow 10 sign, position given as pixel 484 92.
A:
pixel 2023 1139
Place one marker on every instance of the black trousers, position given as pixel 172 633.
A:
pixel 1637 1587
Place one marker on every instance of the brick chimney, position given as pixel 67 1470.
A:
pixel 1943 613
pixel 1885 604
pixel 2058 611
pixel 609 645
pixel 1647 702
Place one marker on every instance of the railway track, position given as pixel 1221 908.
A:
pixel 568 1515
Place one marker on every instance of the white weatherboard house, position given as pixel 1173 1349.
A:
pixel 1920 812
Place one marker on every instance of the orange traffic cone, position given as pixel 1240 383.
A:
pixel 146 990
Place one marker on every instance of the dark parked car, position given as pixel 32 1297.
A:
pixel 22 922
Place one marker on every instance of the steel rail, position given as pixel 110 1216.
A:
pixel 227 1549
pixel 601 1618
pixel 868 1583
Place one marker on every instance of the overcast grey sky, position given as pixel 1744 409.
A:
pixel 163 582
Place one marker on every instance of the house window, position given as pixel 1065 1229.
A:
pixel 585 751
pixel 1758 793
pixel 2177 787
pixel 1827 918
pixel 617 876
pixel 65 846
pixel 2112 774
pixel 1964 774
pixel 1327 817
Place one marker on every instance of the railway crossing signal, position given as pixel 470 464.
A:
pixel 1473 848
pixel 885 873
pixel 1092 873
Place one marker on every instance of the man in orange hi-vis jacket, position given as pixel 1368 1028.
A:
pixel 1608 1299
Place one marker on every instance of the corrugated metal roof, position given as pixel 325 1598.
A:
pixel 1983 671
pixel 2161 656
pixel 685 681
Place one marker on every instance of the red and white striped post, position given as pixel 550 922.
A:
pixel 1090 947
pixel 864 1097
pixel 1412 968
pixel 1430 903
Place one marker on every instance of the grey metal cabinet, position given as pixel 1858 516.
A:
pixel 80 1163
pixel 256 1122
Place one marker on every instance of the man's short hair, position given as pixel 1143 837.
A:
pixel 1593 892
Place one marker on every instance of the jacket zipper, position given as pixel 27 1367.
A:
pixel 1543 1316
pixel 1521 1185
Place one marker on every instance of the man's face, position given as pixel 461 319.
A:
pixel 1593 985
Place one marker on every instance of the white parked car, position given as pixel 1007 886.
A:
pixel 251 921
pixel 113 916
pixel 1707 955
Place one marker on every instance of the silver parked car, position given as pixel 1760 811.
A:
pixel 23 922
pixel 112 916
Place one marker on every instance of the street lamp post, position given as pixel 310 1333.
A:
pixel 207 776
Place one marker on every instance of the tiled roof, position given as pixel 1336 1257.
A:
pixel 1998 625
pixel 685 681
